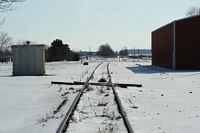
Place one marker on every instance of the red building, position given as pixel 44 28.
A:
pixel 177 44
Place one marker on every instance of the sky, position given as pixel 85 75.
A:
pixel 86 24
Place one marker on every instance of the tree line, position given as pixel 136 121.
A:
pixel 58 51
pixel 105 50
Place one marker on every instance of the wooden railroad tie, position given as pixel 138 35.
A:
pixel 122 85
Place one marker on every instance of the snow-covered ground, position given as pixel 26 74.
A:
pixel 97 110
pixel 168 102
pixel 27 103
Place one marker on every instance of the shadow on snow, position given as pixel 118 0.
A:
pixel 150 69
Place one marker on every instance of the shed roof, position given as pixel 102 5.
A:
pixel 178 20
pixel 21 46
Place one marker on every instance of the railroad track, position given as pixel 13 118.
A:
pixel 65 122
pixel 101 105
pixel 119 103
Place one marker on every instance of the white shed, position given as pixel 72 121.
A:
pixel 28 60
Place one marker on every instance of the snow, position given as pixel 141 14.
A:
pixel 97 110
pixel 26 101
pixel 168 102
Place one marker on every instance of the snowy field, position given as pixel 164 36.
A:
pixel 27 103
pixel 168 102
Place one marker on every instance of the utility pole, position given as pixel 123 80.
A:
pixel 89 54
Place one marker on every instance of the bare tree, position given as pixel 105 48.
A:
pixel 193 11
pixel 6 5
pixel 5 41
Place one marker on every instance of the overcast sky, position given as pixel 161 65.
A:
pixel 89 23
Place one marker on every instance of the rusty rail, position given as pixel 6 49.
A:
pixel 64 124
pixel 119 104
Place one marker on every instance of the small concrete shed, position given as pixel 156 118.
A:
pixel 28 60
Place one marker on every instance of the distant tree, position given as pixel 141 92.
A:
pixel 5 41
pixel 5 56
pixel 76 56
pixel 59 52
pixel 123 52
pixel 193 11
pixel 105 50
pixel 6 5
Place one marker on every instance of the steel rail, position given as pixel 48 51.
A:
pixel 63 126
pixel 119 104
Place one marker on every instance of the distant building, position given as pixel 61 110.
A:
pixel 137 52
pixel 85 53
pixel 177 44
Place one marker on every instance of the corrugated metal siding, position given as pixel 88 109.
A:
pixel 162 46
pixel 188 43
pixel 28 60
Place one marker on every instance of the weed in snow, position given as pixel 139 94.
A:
pixel 102 103
pixel 101 90
pixel 88 89
pixel 110 128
